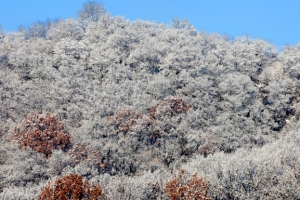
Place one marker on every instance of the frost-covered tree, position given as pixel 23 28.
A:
pixel 120 87
pixel 68 28
pixel 39 29
pixel 181 24
pixel 2 34
pixel 91 12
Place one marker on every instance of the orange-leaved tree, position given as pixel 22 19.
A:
pixel 71 187
pixel 125 120
pixel 42 134
pixel 194 188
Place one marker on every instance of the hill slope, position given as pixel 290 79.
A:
pixel 141 100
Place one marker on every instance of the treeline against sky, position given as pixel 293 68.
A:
pixel 133 102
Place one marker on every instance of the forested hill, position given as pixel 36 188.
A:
pixel 126 104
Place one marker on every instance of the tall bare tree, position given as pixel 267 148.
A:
pixel 91 12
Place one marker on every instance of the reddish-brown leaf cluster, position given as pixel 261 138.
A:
pixel 195 188
pixel 207 149
pixel 80 153
pixel 209 146
pixel 42 134
pixel 71 187
pixel 125 119
pixel 171 107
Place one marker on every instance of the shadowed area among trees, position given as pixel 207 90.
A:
pixel 146 111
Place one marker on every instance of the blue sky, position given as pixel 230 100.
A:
pixel 277 21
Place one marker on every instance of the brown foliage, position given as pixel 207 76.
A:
pixel 209 146
pixel 207 149
pixel 171 107
pixel 125 119
pixel 71 187
pixel 195 188
pixel 41 134
pixel 80 153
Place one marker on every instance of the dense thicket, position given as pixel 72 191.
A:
pixel 141 100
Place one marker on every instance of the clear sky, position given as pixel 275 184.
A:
pixel 277 21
